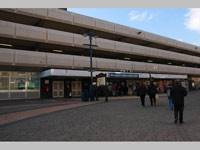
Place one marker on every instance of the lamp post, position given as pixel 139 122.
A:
pixel 91 34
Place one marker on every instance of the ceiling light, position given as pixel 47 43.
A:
pixel 57 50
pixel 127 58
pixel 169 63
pixel 8 45
pixel 150 61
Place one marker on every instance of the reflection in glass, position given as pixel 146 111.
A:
pixel 17 83
pixel 18 74
pixel 4 83
pixel 3 73
pixel 33 83
pixel 32 74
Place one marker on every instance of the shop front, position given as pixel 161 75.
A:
pixel 194 83
pixel 58 83
pixel 19 85
pixel 62 87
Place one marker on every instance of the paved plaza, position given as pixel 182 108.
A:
pixel 120 119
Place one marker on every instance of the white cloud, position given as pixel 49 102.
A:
pixel 192 19
pixel 135 16
pixel 150 17
pixel 143 15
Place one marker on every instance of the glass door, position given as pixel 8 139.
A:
pixel 58 89
pixel 76 88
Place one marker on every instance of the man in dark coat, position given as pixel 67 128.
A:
pixel 142 93
pixel 177 93
pixel 152 90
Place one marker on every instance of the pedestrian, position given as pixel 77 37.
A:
pixel 134 89
pixel 177 93
pixel 68 91
pixel 129 90
pixel 142 93
pixel 152 90
pixel 110 89
pixel 168 89
pixel 114 89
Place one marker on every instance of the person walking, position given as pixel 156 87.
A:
pixel 110 89
pixel 142 93
pixel 114 89
pixel 177 93
pixel 152 90
pixel 168 89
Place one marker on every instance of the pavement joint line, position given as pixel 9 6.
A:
pixel 16 116
pixel 12 117
pixel 22 105
pixel 42 106
pixel 79 100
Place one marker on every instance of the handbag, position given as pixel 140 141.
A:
pixel 157 96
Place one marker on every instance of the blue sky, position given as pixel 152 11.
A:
pixel 182 24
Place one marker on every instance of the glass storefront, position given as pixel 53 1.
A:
pixel 17 83
pixel 4 82
pixel 196 83
pixel 11 82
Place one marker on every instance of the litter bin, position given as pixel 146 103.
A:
pixel 85 96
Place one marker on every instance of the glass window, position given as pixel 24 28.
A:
pixel 33 74
pixel 2 73
pixel 17 83
pixel 4 83
pixel 33 83
pixel 18 74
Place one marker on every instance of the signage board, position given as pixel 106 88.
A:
pixel 123 75
pixel 101 81
pixel 46 81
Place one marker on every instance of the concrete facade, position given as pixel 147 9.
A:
pixel 41 39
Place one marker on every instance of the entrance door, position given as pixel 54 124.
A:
pixel 76 88
pixel 58 89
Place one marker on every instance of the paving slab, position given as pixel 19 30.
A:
pixel 117 120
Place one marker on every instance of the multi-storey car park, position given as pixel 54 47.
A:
pixel 43 54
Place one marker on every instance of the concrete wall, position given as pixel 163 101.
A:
pixel 59 61
pixel 58 37
pixel 29 58
pixel 60 16
pixel 37 34
pixel 26 32
pixel 49 60
pixel 107 64
pixel 101 25
pixel 6 56
pixel 7 29
pixel 123 47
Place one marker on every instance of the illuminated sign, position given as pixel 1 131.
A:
pixel 123 75
pixel 101 81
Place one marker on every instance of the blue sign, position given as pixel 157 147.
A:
pixel 123 75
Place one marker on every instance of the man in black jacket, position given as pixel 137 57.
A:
pixel 177 93
pixel 152 90
pixel 142 92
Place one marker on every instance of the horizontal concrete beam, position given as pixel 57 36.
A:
pixel 38 34
pixel 101 25
pixel 10 57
